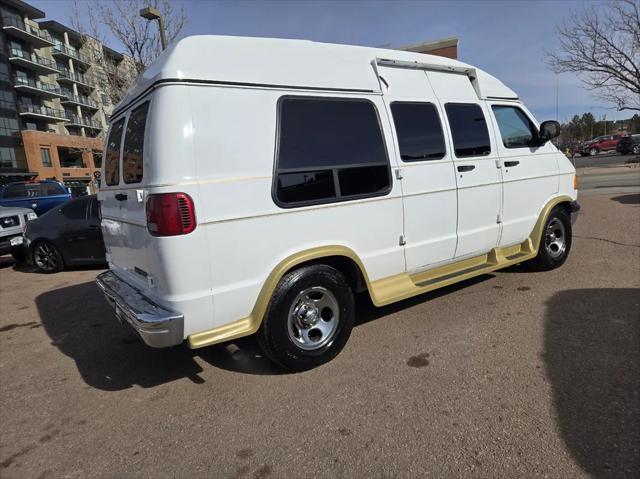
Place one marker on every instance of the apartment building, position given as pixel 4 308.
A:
pixel 54 99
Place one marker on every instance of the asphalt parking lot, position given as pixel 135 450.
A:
pixel 513 374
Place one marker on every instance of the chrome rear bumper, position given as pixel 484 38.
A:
pixel 158 327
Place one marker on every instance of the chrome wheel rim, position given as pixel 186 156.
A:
pixel 313 318
pixel 45 257
pixel 593 152
pixel 555 238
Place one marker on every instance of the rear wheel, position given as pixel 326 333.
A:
pixel 309 318
pixel 555 243
pixel 47 258
pixel 636 150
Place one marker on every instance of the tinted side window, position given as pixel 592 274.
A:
pixel 419 131
pixel 516 129
pixel 468 129
pixel 329 150
pixel 15 191
pixel 52 189
pixel 75 210
pixel 134 145
pixel 112 162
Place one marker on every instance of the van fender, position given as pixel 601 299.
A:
pixel 251 324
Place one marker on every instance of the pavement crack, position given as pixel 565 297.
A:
pixel 607 241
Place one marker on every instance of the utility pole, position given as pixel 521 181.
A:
pixel 151 13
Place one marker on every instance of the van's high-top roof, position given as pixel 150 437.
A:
pixel 299 64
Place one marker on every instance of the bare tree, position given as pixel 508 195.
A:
pixel 602 45
pixel 139 39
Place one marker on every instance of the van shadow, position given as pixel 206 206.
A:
pixel 633 199
pixel 111 357
pixel 592 358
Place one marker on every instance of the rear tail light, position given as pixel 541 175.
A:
pixel 170 214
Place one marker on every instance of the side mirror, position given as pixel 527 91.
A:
pixel 548 131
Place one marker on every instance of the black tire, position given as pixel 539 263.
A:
pixel 550 257
pixel 277 334
pixel 593 151
pixel 636 150
pixel 52 263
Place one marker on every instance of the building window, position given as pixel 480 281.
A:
pixel 45 156
pixel 70 157
pixel 516 129
pixel 419 131
pixel 8 126
pixel 133 152
pixel 468 129
pixel 8 158
pixel 329 149
pixel 97 158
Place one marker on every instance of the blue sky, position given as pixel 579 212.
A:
pixel 505 38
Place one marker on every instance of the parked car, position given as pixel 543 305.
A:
pixel 258 193
pixel 12 224
pixel 599 144
pixel 68 235
pixel 40 196
pixel 629 144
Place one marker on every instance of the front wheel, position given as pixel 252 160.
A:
pixel 47 258
pixel 309 318
pixel 593 151
pixel 555 242
pixel 636 150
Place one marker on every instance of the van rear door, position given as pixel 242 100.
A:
pixel 122 196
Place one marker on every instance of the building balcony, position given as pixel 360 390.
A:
pixel 45 90
pixel 17 28
pixel 67 76
pixel 63 51
pixel 81 122
pixel 82 101
pixel 41 113
pixel 32 61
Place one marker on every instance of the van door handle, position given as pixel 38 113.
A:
pixel 462 168
pixel 511 163
pixel 121 196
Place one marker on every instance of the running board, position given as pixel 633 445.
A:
pixel 402 286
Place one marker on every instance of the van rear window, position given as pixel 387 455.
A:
pixel 133 152
pixel 112 162
pixel 329 149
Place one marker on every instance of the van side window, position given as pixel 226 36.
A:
pixel 419 131
pixel 516 129
pixel 112 162
pixel 469 129
pixel 329 150
pixel 133 150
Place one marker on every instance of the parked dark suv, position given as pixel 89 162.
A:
pixel 40 196
pixel 629 144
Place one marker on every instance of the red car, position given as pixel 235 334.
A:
pixel 600 143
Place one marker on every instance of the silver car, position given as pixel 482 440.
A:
pixel 12 223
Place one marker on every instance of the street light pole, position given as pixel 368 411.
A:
pixel 151 13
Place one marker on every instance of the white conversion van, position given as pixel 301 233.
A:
pixel 253 186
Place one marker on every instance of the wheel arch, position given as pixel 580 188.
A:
pixel 339 257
